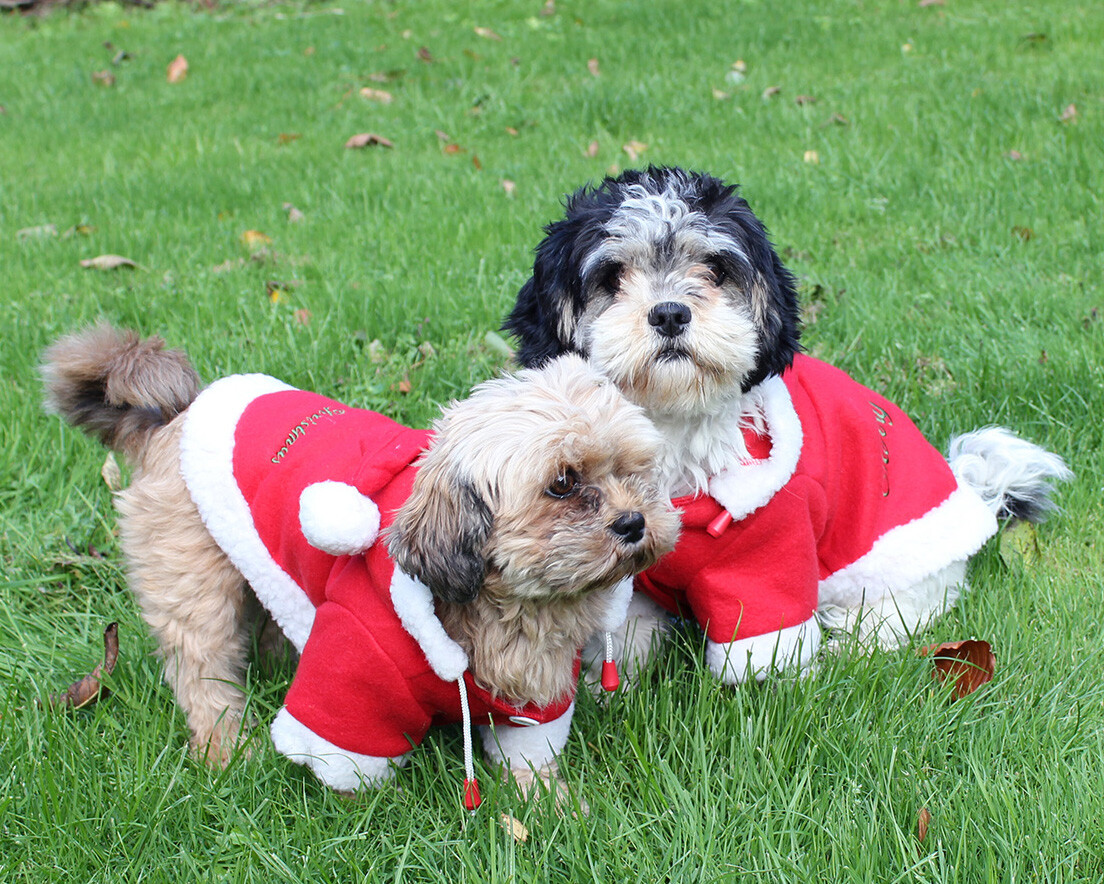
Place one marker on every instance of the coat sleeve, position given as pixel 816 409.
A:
pixel 756 593
pixel 349 692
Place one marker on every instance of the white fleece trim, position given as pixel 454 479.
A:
pixel 414 604
pixel 619 598
pixel 521 748
pixel 206 462
pixel 904 556
pixel 338 768
pixel 760 655
pixel 745 487
pixel 337 519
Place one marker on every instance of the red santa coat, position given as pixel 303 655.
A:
pixel 268 466
pixel 842 500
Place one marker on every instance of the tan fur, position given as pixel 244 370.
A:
pixel 480 507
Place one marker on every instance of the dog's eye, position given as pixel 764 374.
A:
pixel 716 268
pixel 609 278
pixel 564 485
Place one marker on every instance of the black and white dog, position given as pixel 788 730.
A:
pixel 808 500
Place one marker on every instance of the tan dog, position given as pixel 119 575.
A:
pixel 506 540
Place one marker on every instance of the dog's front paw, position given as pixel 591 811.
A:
pixel 532 783
pixel 228 738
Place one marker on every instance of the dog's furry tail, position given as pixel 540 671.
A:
pixel 1014 477
pixel 117 386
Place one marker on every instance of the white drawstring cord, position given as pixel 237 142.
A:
pixel 471 785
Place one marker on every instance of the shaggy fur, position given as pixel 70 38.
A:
pixel 668 284
pixel 534 493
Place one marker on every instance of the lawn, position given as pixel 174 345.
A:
pixel 933 173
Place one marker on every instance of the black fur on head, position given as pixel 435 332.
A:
pixel 566 270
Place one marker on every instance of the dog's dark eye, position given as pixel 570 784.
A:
pixel 609 278
pixel 564 485
pixel 716 268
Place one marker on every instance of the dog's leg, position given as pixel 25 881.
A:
pixel 528 754
pixel 635 643
pixel 889 619
pixel 191 597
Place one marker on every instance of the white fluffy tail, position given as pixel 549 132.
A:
pixel 1014 477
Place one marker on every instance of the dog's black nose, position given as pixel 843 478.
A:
pixel 669 318
pixel 629 527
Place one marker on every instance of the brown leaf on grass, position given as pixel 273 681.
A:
pixel 966 664
pixel 404 386
pixel 107 262
pixel 177 70
pixel 592 150
pixel 368 139
pixel 476 162
pixel 287 137
pixel 593 67
pixel 923 820
pixel 303 316
pixel 634 149
pixel 251 239
pixel 508 186
pixel 805 99
pixel 112 473
pixel 294 216
pixel 835 120
pixel 89 690
pixel 514 827
pixel 453 148
pixel 1013 155
pixel 924 3
pixel 381 96
pixel 1024 233
pixel 487 34
pixel 425 55
pixel 770 92
pixel 103 78
pixel 510 130
pixel 1069 114
pixel 42 230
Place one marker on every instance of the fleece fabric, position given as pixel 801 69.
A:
pixel 843 495
pixel 376 668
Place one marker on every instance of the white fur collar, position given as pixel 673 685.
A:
pixel 414 604
pixel 744 487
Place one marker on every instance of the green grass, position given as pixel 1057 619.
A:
pixel 962 282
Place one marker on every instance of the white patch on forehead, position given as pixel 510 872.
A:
pixel 644 221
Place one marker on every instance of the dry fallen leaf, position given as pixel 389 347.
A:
pixel 107 262
pixel 968 664
pixel 1013 155
pixel 253 238
pixel 453 148
pixel 425 55
pixel 303 316
pixel 287 137
pixel 404 386
pixel 111 473
pixel 487 33
pixel 634 149
pixel 592 66
pixel 770 92
pixel 1024 233
pixel 368 139
pixel 805 99
pixel 720 95
pixel 88 690
pixel 178 69
pixel 592 149
pixel 103 78
pixel 293 214
pixel 477 162
pixel 510 130
pixel 508 186
pixel 923 820
pixel 379 95
pixel 1069 115
pixel 514 827
pixel 42 230
pixel 811 156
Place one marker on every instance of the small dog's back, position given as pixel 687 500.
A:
pixel 117 386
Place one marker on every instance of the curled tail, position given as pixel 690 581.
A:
pixel 1014 477
pixel 117 386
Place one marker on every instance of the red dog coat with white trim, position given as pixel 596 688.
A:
pixel 843 499
pixel 376 668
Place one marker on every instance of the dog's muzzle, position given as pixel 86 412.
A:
pixel 629 527
pixel 669 318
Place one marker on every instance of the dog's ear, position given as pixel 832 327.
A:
pixel 534 322
pixel 439 534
